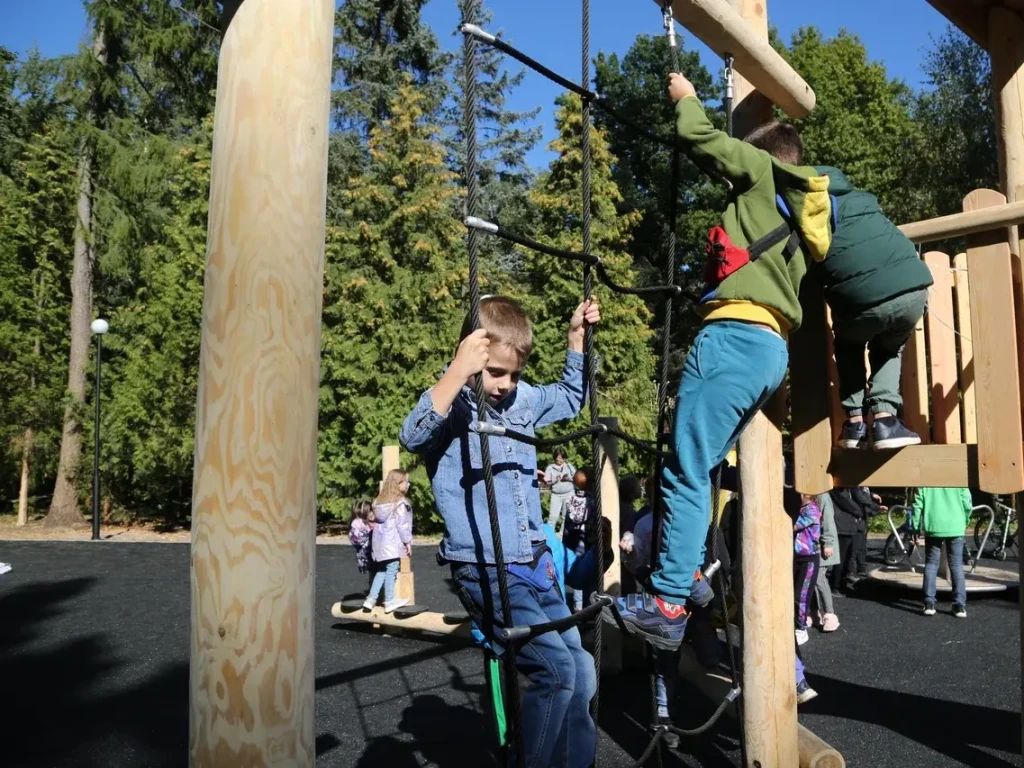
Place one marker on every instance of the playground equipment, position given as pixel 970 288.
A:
pixel 253 537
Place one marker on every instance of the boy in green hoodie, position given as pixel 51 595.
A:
pixel 757 257
pixel 943 513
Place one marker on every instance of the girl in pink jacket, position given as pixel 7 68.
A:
pixel 391 540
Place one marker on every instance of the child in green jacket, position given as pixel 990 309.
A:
pixel 943 513
pixel 757 257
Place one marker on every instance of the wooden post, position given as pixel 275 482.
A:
pixel 941 335
pixel 254 498
pixel 769 648
pixel 611 638
pixel 1006 49
pixel 968 408
pixel 405 584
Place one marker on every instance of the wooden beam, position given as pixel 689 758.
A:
pixel 970 18
pixel 968 405
pixel 739 32
pixel 967 223
pixel 715 685
pixel 920 466
pixel 428 621
pixel 810 395
pixel 939 330
pixel 611 637
pixel 251 694
pixel 997 387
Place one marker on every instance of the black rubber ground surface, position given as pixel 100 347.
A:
pixel 94 672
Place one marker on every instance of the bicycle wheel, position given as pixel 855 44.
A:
pixel 893 553
pixel 995 538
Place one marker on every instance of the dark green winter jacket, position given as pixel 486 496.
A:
pixel 869 260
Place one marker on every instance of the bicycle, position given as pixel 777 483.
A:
pixel 1002 536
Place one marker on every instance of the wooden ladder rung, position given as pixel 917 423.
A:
pixel 935 466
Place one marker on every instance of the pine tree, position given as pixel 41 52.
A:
pixel 35 227
pixel 151 384
pixel 504 139
pixel 394 281
pixel 626 378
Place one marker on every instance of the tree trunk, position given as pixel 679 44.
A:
pixel 64 509
pixel 23 493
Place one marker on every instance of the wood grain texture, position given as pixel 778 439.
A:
pixel 810 394
pixel 997 386
pixel 835 405
pixel 920 466
pixel 742 30
pixel 968 407
pixel 254 495
pixel 942 364
pixel 1006 51
pixel 914 384
pixel 769 685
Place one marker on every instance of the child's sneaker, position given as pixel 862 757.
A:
pixel 804 692
pixel 802 636
pixel 369 603
pixel 854 434
pixel 810 621
pixel 701 593
pixel 960 611
pixel 890 433
pixel 5 568
pixel 391 605
pixel 829 622
pixel 929 609
pixel 659 622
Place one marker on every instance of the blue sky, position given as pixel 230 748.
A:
pixel 549 30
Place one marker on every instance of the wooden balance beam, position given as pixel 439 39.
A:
pixel 814 752
pixel 454 625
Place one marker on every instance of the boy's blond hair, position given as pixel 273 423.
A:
pixel 506 323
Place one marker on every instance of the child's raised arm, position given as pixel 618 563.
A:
pixel 423 427
pixel 564 400
pixel 714 151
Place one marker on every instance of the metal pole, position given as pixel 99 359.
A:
pixel 96 445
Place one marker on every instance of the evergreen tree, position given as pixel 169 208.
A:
pixel 626 378
pixel 151 384
pixel 35 227
pixel 379 44
pixel 504 139
pixel 394 282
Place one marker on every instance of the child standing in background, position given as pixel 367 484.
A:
pixel 391 539
pixel 807 530
pixel 359 533
pixel 580 519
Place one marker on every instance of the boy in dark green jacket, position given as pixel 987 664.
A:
pixel 877 287
pixel 756 260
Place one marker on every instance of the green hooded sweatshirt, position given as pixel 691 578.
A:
pixel 766 290
pixel 870 260
pixel 945 510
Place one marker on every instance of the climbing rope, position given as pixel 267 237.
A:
pixel 509 634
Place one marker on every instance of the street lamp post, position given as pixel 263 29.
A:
pixel 99 327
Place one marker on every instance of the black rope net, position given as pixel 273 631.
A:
pixel 510 635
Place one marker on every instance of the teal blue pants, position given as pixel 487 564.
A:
pixel 729 374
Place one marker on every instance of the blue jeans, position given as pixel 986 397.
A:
pixel 557 726
pixel 666 670
pixel 731 371
pixel 384 575
pixel 955 553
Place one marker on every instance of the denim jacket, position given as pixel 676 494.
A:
pixel 451 449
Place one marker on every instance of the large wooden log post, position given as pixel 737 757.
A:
pixel 769 648
pixel 254 502
pixel 1006 48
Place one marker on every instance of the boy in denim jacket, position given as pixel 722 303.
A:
pixel 556 721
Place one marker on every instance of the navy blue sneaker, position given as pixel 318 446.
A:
pixel 804 692
pixel 660 623
pixel 854 434
pixel 890 433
